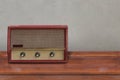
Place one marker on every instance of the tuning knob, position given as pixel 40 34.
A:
pixel 52 54
pixel 22 54
pixel 37 54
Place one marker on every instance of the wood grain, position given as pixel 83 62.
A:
pixel 59 77
pixel 80 63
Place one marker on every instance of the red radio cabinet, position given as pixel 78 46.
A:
pixel 37 44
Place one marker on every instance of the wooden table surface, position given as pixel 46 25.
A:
pixel 81 65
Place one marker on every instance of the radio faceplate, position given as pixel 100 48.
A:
pixel 37 54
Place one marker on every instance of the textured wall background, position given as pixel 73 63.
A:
pixel 93 24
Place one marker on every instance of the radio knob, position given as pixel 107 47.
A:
pixel 22 54
pixel 52 54
pixel 37 54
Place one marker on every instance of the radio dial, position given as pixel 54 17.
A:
pixel 52 54
pixel 37 54
pixel 22 54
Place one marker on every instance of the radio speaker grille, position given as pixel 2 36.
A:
pixel 45 38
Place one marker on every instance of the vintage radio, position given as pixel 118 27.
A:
pixel 37 44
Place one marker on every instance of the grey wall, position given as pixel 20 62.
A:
pixel 94 25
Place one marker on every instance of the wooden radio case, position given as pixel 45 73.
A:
pixel 37 44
